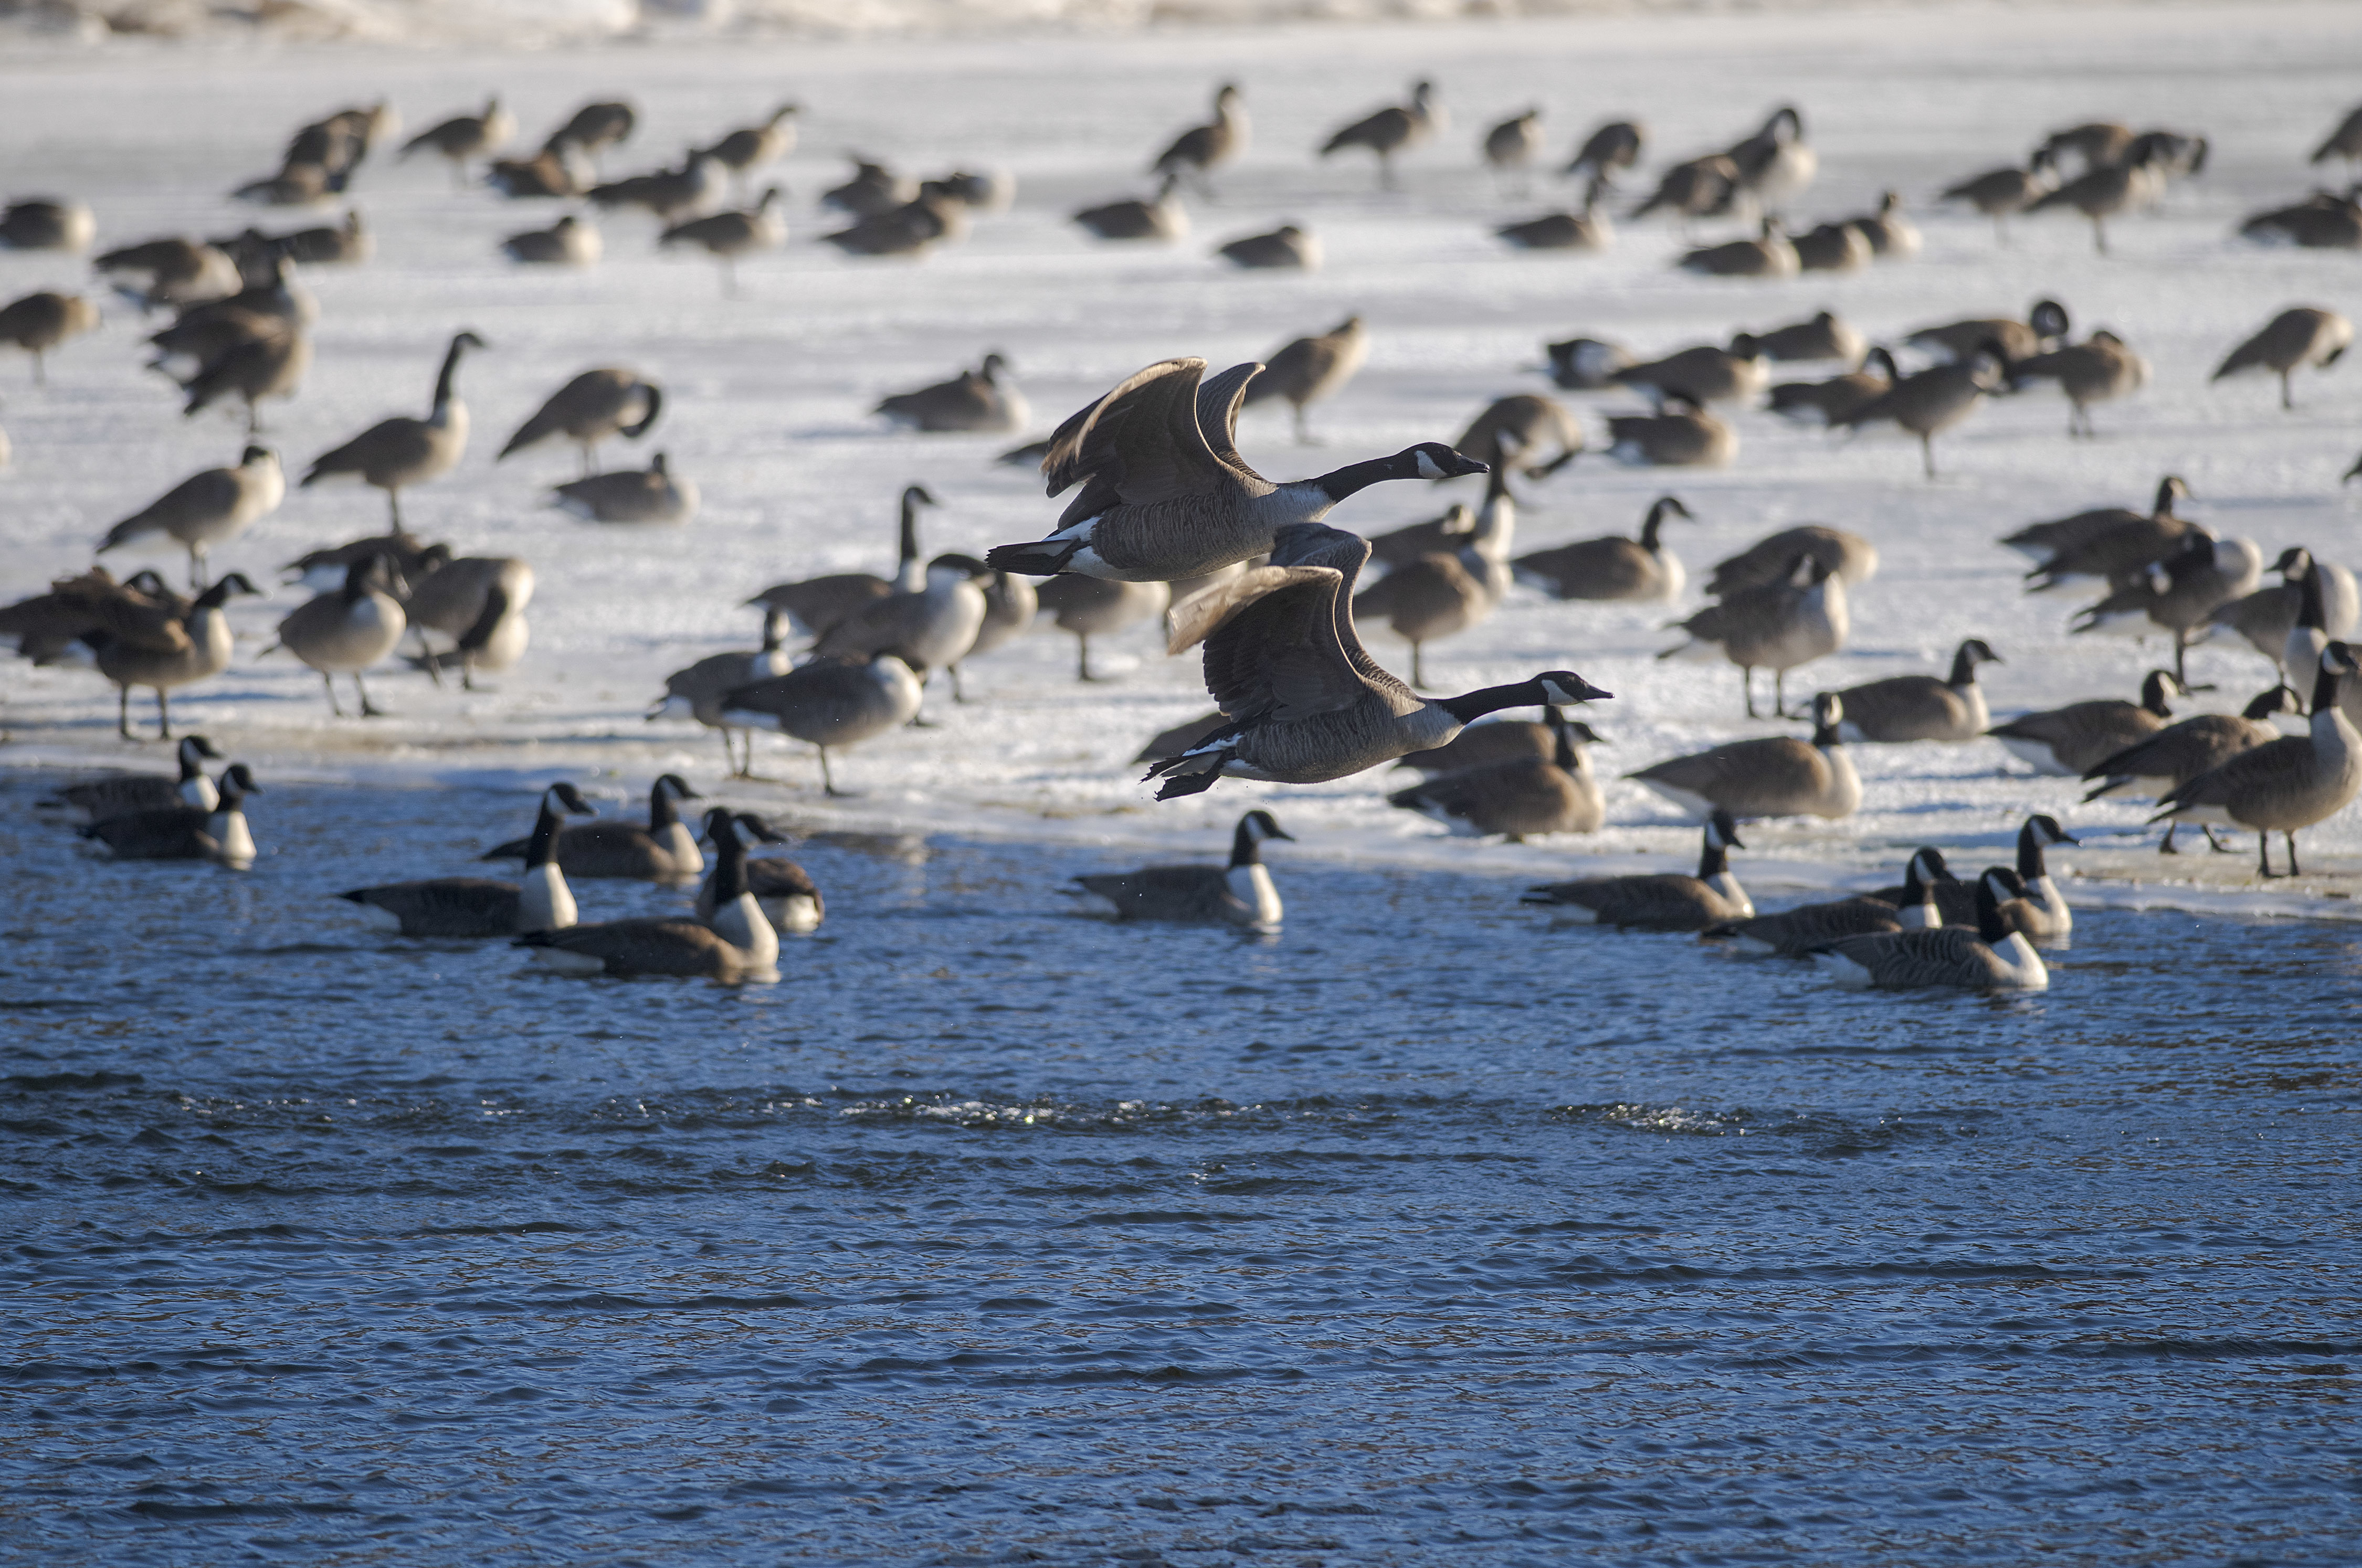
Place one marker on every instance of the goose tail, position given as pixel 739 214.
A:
pixel 1039 558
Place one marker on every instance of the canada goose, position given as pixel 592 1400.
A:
pixel 47 223
pixel 2172 153
pixel 1768 255
pixel 1164 494
pixel 346 631
pixel 609 848
pixel 1679 434
pixel 2324 222
pixel 2098 143
pixel 2008 340
pixel 1612 567
pixel 2344 142
pixel 396 453
pixel 1287 246
pixel 1443 592
pixel 1993 957
pixel 191 832
pixel 2098 370
pixel 179 271
pixel 1197 151
pixel 2102 192
pixel 668 196
pixel 2181 751
pixel 94 610
pixel 1930 895
pixel 2180 594
pixel 1840 397
pixel 1522 422
pixel 782 891
pixel 1310 369
pixel 1773 164
pixel 260 360
pixel 1400 547
pixel 684 949
pixel 2314 602
pixel 1822 337
pixel 2284 784
pixel 1239 894
pixel 555 172
pixel 337 245
pixel 594 127
pixel 1891 235
pixel 1392 129
pixel 653 495
pixel 1164 218
pixel 2067 741
pixel 276 302
pixel 1777 776
pixel 99 799
pixel 726 903
pixel 698 688
pixel 816 604
pixel 978 400
pixel 829 702
pixel 929 628
pixel 2305 335
pixel 1586 364
pixel 1511 147
pixel 479 907
pixel 465 136
pixel 1010 605
pixel 40 322
pixel 1931 401
pixel 1587 228
pixel 1850 558
pixel 208 508
pixel 1097 607
pixel 589 409
pixel 1998 193
pixel 2104 542
pixel 1182 736
pixel 1778 625
pixel 728 235
pixel 874 191
pixel 570 242
pixel 1795 932
pixel 1694 189
pixel 1659 902
pixel 1516 796
pixel 1832 247
pixel 757 146
pixel 991 191
pixel 407 556
pixel 1703 374
pixel 128 663
pixel 1615 146
pixel 935 215
pixel 1306 701
pixel 479 603
pixel 1920 707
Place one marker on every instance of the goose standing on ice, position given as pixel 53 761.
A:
pixel 1679 434
pixel 1612 148
pixel 653 495
pixel 1839 398
pixel 929 628
pixel 395 454
pixel 1517 796
pixel 1239 894
pixel 1613 568
pixel 1662 901
pixel 2065 742
pixel 346 630
pixel 781 889
pixel 2181 751
pixel 2108 189
pixel 1825 336
pixel 187 833
pixel 758 146
pixel 1993 957
pixel 1832 247
pixel 208 508
pixel 1789 622
pixel 570 242
pixel 1778 776
pixel 978 400
pixel 98 799
pixel 1769 254
pixel 1090 607
pixel 1305 372
pixel 1932 402
pixel 1442 593
pixel 1703 374
pixel 206 653
pixel 479 603
pixel 726 237
pixel 47 223
pixel 589 409
pixel 815 604
pixel 1920 707
pixel 668 194
pixel 698 688
pixel 1162 218
pixel 2100 368
pixel 2305 335
pixel 2315 601
pixel 1395 128
pixel 478 906
pixel 465 136
pixel 1199 150
pixel 829 702
pixel 40 322
pixel 1511 147
pixel 1288 247
pixel 2283 785
pixel 664 851
pixel 1586 228
pixel 2180 594
pixel 1999 193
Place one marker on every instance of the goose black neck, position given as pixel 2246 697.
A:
pixel 1991 930
pixel 2165 489
pixel 661 814
pixel 2310 615
pixel 2153 695
pixel 729 864
pixel 1713 860
pixel 1825 735
pixel 1245 848
pixel 1651 527
pixel 1493 699
pixel 213 598
pixel 1964 669
pixel 450 371
pixel 2029 855
pixel 772 636
pixel 1563 754
pixel 543 847
pixel 909 536
pixel 2324 692
pixel 1354 478
pixel 189 769
pixel 496 606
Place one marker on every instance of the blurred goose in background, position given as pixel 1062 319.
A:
pixel 978 400
pixel 553 172
pixel 1090 607
pixel 570 242
pixel 1919 707
pixel 1932 402
pixel 1607 151
pixel 1679 434
pixel 2100 368
pixel 1489 741
pixel 2067 741
pixel 346 631
pixel 1199 150
pixel 2108 189
pixel 1525 424
pixel 589 409
pixel 2180 752
pixel 1662 901
pixel 1822 337
pixel 1311 369
pixel 929 628
pixel 479 603
pixel 2096 143
pixel 653 495
pixel 1777 776
pixel 2344 142
pixel 2000 192
pixel 782 890
pixel 1586 364
pixel 1778 625
pixel 1703 374
pixel 2284 785
pixel 815 604
pixel 47 223
pixel 2323 221
pixel 1769 254
pixel 2108 542
pixel 98 799
pixel 1516 796
pixel 750 148
pixel 1613 568
pixel 463 138
pixel 1392 129
pixel 208 508
pixel 2314 603
pixel 1586 228
pixel 218 833
pixel 1694 189
pixel 1400 547
pixel 1511 147
pixel 1442 593
pixel 395 454
pixel 596 127
pixel 829 702
pixel 1795 932
pixel 2180 594
pixel 2007 340
pixel 935 215
pixel 726 237
pixel 336 245
pixel 1163 218
pixel 1773 164
pixel 698 690
pixel 1240 894
pixel 171 271
pixel 93 610
pixel 1286 247
pixel 1849 557
pixel 1839 398
pixel 478 906
pixel 669 195
pixel 1992 957
pixel 2305 335
pixel 1011 604
pixel 39 323
pixel 1832 247
pixel 612 849
pixel 1890 233
pixel 129 663
pixel 873 190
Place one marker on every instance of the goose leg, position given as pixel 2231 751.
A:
pixel 163 714
pixel 2180 653
pixel 2264 855
pixel 253 418
pixel 828 780
pixel 2293 869
pixel 2100 236
pixel 197 565
pixel 467 671
pixel 729 279
pixel 2167 848
pixel 123 713
pixel 1746 685
pixel 369 708
pixel 730 755
pixel 426 650
pixel 1083 656
pixel 1417 667
pixel 330 682
pixel 1303 435
pixel 1927 453
pixel 393 509
pixel 2216 844
pixel 2287 396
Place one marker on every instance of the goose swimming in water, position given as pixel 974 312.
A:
pixel 1990 957
pixel 687 949
pixel 187 833
pixel 99 799
pixel 1658 902
pixel 479 907
pixel 1239 894
pixel 781 889
pixel 2039 910
pixel 664 851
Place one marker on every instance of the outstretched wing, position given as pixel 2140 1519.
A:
pixel 1140 444
pixel 1218 415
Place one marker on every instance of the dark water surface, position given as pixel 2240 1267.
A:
pixel 1420 1235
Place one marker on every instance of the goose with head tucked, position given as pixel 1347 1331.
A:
pixel 130 664
pixel 698 691
pixel 2283 785
pixel 1919 707
pixel 1999 193
pixel 1161 219
pixel 2177 595
pixel 478 906
pixel 2009 339
pixel 1289 247
pixel 571 241
pixel 980 401
pixel 1306 701
pixel 1164 496
pixel 589 409
pixel 1789 622
pixel 98 799
pixel 651 495
pixel 2100 368
pixel 47 223
pixel 395 454
pixel 1586 364
pixel 1769 254
pixel 1825 336
pixel 1850 558
pixel 781 889
pixel 1586 228
pixel 1989 957
pixel 1240 894
pixel 664 851
pixel 2181 751
pixel 829 702
pixel 345 630
pixel 1832 247
pixel 479 603
pixel 2305 335
pixel 1839 398
pixel 1517 796
pixel 1777 776
pixel 1662 901
pixel 1614 567
pixel 2065 742
pixel 187 833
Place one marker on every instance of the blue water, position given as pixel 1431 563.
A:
pixel 1422 1234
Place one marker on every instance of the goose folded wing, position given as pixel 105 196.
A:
pixel 825 693
pixel 2249 775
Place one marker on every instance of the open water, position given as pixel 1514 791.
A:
pixel 1421 1234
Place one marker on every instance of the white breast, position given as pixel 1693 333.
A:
pixel 233 844
pixel 545 903
pixel 1252 886
pixel 741 923
pixel 681 845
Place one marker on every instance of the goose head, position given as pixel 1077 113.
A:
pixel 1228 97
pixel 564 797
pixel 224 586
pixel 1746 346
pixel 1882 363
pixel 2157 686
pixel 1722 832
pixel 760 831
pixel 193 750
pixel 2264 704
pixel 2046 831
pixel 1974 652
pixel 235 784
pixel 989 371
pixel 952 569
pixel 1259 826
pixel 674 787
pixel 2294 563
pixel 1828 712
pixel 1432 460
pixel 2048 318
pixel 258 457
pixel 463 341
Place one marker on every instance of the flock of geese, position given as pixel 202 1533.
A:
pixel 1167 518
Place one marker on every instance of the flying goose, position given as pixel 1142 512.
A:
pixel 1999 193
pixel 206 654
pixel 2180 594
pixel 653 495
pixel 1920 707
pixel 815 604
pixel 1931 401
pixel 828 703
pixel 479 603
pixel 2010 340
pixel 1776 776
pixel 1306 701
pixel 726 237
pixel 1587 228
pixel 1444 592
pixel 1850 558
pixel 2100 368
pixel 1308 370
pixel 346 630
pixel 757 146
pixel 1517 796
pixel 1839 398
pixel 570 242
pixel 1586 364
pixel 1288 247
pixel 1930 895
pixel 465 136
pixel 1832 247
pixel 1613 568
pixel 99 799
pixel 929 628
pixel 1773 164
pixel 1993 957
pixel 2305 335
pixel 1392 129
pixel 477 906
pixel 1091 607
pixel 2284 784
pixel 873 190
pixel 40 322
pixel 1769 254
pixel 179 271
pixel 664 851
pixel 1790 622
pixel 47 223
pixel 1511 147
pixel 2102 193
pixel 700 689
pixel 2181 751
pixel 2073 547
pixel 1679 434
pixel 1164 494
pixel 1825 336
pixel 395 454
pixel 1527 422
pixel 1662 901
pixel 1163 217
pixel 1694 189
pixel 187 833
pixel 2067 741
pixel 589 409
pixel 1890 233
pixel 1239 894
pixel 668 195
pixel 1198 150
pixel 783 893
pixel 1611 147
pixel 1703 374
pixel 208 508
pixel 2324 222
pixel 976 401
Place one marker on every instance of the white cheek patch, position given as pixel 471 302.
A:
pixel 1428 468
